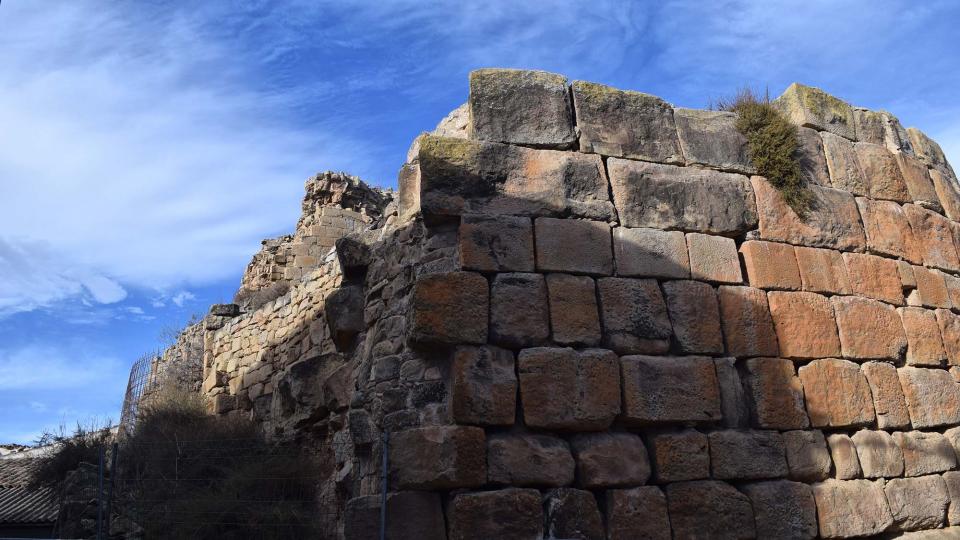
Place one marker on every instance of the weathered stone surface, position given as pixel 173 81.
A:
pixel 625 124
pixel 783 509
pixel 610 460
pixel 879 127
pixel 812 107
pixel 506 513
pixel 933 233
pixel 572 513
pixel 851 508
pixel 845 170
pixel 745 455
pixel 528 460
pixel 933 397
pixel 519 314
pixel 438 457
pixel 770 265
pixel 953 289
pixel 837 394
pixel 713 258
pixel 924 453
pixel 411 515
pixel 449 308
pixel 868 329
pixel 878 453
pixel 679 456
pixel 695 316
pixel 660 390
pixel 484 386
pixel 888 230
pixel 637 513
pixel 846 464
pixel 923 337
pixel 949 324
pixel 874 277
pixel 459 176
pixel 931 288
pixel 496 243
pixel 343 310
pixel 574 246
pixel 569 390
pixel 711 138
pixel 822 270
pixel 804 324
pixel 634 316
pixel 952 481
pixel 927 149
pixel 807 456
pixel 810 155
pixel 948 192
pixel 574 316
pixel 643 252
pixel 747 325
pixel 733 401
pixel 774 393
pixel 705 505
pixel 918 181
pixel 953 437
pixel 521 107
pixel 907 278
pixel 888 400
pixel 917 503
pixel 880 168
pixel 833 221
pixel 683 198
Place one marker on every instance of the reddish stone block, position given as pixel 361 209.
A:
pixel 506 513
pixel 634 316
pixel 695 317
pixel 931 288
pixel 837 394
pixel 807 456
pixel 509 457
pixel 637 513
pixel 868 329
pixel 770 265
pixel 679 456
pixel 925 453
pixel 917 503
pixel 712 506
pixel 774 393
pixel 888 401
pixel 918 181
pixel 933 397
pixel 496 243
pixel 643 252
pixel 659 390
pixel 948 193
pixel 878 454
pixel 888 230
pixel 574 316
pixel 610 460
pixel 783 509
pixel 804 324
pixel 438 457
pixel 934 234
pixel 882 173
pixel 747 325
pixel 923 337
pixel 713 258
pixel 572 513
pixel 874 277
pixel 822 270
pixel 484 386
pixel 846 465
pixel 450 308
pixel 851 508
pixel 733 400
pixel 519 314
pixel 745 455
pixel 574 246
pixel 521 107
pixel 949 324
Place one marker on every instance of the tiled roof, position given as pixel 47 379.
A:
pixel 19 504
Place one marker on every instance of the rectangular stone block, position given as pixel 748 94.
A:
pixel 643 252
pixel 927 149
pixel 917 503
pixel 449 308
pixel 874 277
pixel 845 170
pixel 484 386
pixel 880 168
pixel 822 270
pixel 714 259
pixel 925 453
pixel 878 453
pixel 848 508
pixel 679 456
pixel 746 455
pixel 879 127
pixel 807 456
pixel 505 513
pixel 496 243
pixel 411 515
pixel 572 513
pixel 610 460
pixel 918 181
pixel 949 324
pixel 837 394
pixel 805 324
pixel 931 288
pixel 637 513
pixel 888 230
pixel 953 290
pixel 733 400
pixel 934 234
pixel 659 390
pixel 565 389
pixel 846 464
pixel 924 347
pixel 681 198
pixel 519 313
pixel 888 398
pixel 812 107
pixel 711 138
pixel 810 155
pixel 574 246
pixel 704 505
pixel 783 509
pixel 868 329
pixel 933 397
pixel 634 316
pixel 438 457
pixel 774 393
pixel 948 192
pixel 695 316
pixel 747 324
pixel 509 457
pixel 832 222
pixel 574 316
pixel 626 124
pixel 770 265
pixel 952 480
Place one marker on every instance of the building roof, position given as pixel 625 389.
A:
pixel 19 503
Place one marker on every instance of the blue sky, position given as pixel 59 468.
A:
pixel 147 146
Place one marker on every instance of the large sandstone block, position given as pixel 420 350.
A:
pixel 952 480
pixel 449 308
pixel 519 314
pixel 878 453
pixel 411 515
pixel 747 324
pixel 574 246
pixel 774 393
pixel 679 456
pixel 846 464
pixel 484 386
pixel 880 168
pixel 574 316
pixel 888 230
pixel 747 455
pixel 933 397
pixel 934 234
pixel 949 324
pixel 807 456
pixel 521 107
pixel 845 170
pixel 851 508
pixel 932 288
pixel 925 348
pixel 459 176
pixel 572 513
pixel 810 155
pixel 496 243
pixel 783 509
pixel 659 390
pixel 888 401
pixel 510 456
pixel 868 329
pixel 711 138
pixel 822 270
pixel 874 277
pixel 634 316
pixel 770 265
pixel 626 124
pixel 610 460
pixel 837 394
pixel 566 389
pixel 733 400
pixel 695 316
pixel 953 289
pixel 919 182
pixel 712 506
pixel 814 108
pixel 880 127
pixel 948 192
pixel 438 457
pixel 925 453
pixel 637 513
pixel 681 198
pixel 713 258
pixel 506 513
pixel 927 149
pixel 643 252
pixel 832 222
pixel 804 323
pixel 917 503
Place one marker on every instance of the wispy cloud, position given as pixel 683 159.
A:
pixel 50 367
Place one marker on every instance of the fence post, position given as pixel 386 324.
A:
pixel 113 473
pixel 100 496
pixel 383 488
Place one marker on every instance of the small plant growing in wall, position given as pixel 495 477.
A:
pixel 773 142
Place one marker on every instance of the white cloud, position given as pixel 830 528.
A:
pixel 182 297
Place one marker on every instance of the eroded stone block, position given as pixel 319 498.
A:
pixel 506 513
pixel 845 170
pixel 695 316
pixel 610 460
pixel 714 259
pixel 572 513
pixel 574 246
pixel 804 323
pixel 659 390
pixel 679 456
pixel 496 243
pixel 783 509
pixel 812 107
pixel 868 329
pixel 733 400
pixel 822 270
pixel 643 252
pixel 924 453
pixel 874 277
pixel 713 506
pixel 949 324
pixel 925 347
pixel 770 265
pixel 880 168
pixel 438 457
pixel 711 138
pixel 807 456
pixel 888 230
pixel 933 397
pixel 878 453
pixel 847 508
pixel 634 316
pixel 637 513
pixel 510 456
pixel 449 308
pixel 888 401
pixel 931 288
pixel 746 455
pixel 566 389
pixel 917 503
pixel 934 234
pixel 747 324
pixel 774 393
pixel 521 107
pixel 519 314
pixel 837 394
pixel 574 316
pixel 846 464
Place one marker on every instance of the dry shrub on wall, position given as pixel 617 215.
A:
pixel 67 451
pixel 774 143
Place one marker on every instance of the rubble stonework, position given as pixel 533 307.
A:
pixel 585 319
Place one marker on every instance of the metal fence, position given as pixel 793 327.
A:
pixel 142 379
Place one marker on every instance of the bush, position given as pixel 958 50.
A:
pixel 67 452
pixel 773 142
